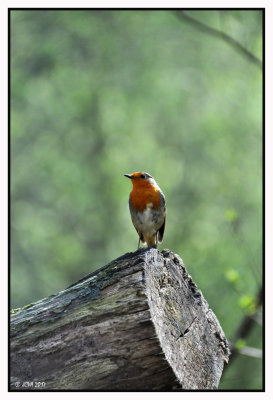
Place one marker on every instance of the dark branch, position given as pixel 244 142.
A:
pixel 221 35
pixel 244 330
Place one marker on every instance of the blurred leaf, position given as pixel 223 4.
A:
pixel 231 215
pixel 232 275
pixel 246 301
pixel 240 344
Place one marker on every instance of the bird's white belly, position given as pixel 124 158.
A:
pixel 149 220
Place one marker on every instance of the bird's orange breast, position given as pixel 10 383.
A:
pixel 144 194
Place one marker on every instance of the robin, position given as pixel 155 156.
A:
pixel 148 208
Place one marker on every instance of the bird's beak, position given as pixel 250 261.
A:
pixel 129 176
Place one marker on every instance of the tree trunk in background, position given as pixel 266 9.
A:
pixel 139 323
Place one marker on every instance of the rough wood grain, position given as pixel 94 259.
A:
pixel 190 334
pixel 116 328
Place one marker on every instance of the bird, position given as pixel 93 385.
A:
pixel 148 208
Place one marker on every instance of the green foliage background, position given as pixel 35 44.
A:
pixel 96 94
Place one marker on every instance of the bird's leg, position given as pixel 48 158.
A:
pixel 156 235
pixel 138 243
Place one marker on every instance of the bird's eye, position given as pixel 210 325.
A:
pixel 142 176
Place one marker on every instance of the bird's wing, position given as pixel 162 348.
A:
pixel 162 228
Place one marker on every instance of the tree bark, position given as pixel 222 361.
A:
pixel 139 323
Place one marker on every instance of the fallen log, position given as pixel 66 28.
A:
pixel 138 323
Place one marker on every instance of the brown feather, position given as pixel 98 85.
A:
pixel 161 231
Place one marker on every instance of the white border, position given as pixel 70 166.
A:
pixel 269 198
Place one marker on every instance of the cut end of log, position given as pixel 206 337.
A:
pixel 138 323
pixel 189 333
